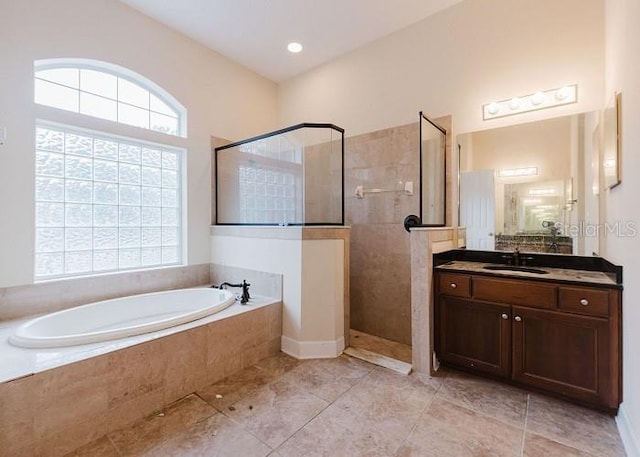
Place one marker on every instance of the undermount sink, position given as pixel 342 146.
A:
pixel 515 268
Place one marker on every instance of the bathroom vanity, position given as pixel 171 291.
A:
pixel 553 325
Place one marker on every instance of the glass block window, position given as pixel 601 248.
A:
pixel 104 203
pixel 267 196
pixel 112 93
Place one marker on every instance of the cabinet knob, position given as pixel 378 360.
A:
pixel 504 316
pixel 453 285
pixel 584 302
pixel 518 318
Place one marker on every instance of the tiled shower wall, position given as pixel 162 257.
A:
pixel 380 247
pixel 380 255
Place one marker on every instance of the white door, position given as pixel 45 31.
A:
pixel 477 208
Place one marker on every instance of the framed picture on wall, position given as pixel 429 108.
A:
pixel 611 143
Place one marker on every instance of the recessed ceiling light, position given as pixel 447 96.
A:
pixel 294 47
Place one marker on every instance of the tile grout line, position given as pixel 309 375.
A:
pixel 481 412
pixel 420 416
pixel 326 407
pixel 249 432
pixel 524 428
pixel 114 446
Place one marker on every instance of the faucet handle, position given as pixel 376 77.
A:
pixel 525 259
pixel 245 292
pixel 508 258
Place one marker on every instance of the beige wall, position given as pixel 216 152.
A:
pixel 454 62
pixel 222 98
pixel 623 74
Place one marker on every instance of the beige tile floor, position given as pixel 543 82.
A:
pixel 282 407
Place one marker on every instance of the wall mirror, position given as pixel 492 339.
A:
pixel 533 186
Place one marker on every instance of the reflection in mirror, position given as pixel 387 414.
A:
pixel 533 186
pixel 432 163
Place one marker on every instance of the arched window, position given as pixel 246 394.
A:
pixel 104 202
pixel 108 92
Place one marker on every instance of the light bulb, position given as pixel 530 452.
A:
pixel 562 93
pixel 514 103
pixel 537 98
pixel 493 108
pixel 294 47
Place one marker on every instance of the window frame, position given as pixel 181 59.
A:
pixel 180 185
pixel 118 72
pixel 48 116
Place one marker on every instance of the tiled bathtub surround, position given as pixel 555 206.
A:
pixel 50 296
pixel 262 283
pixel 58 410
pixel 380 247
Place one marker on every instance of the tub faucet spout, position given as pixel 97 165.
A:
pixel 245 290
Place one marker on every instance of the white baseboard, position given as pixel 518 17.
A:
pixel 312 349
pixel 625 427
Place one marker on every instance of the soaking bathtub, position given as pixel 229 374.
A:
pixel 120 317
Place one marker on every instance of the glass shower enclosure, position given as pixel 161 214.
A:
pixel 293 176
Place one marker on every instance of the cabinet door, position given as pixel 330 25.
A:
pixel 475 335
pixel 564 353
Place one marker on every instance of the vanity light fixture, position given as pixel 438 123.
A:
pixel 517 172
pixel 294 47
pixel 543 191
pixel 540 100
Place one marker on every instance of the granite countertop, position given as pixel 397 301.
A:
pixel 553 274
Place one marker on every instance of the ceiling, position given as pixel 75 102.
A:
pixel 255 33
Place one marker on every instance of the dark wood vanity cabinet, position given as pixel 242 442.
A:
pixel 476 335
pixel 558 338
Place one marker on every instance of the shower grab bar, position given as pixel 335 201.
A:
pixel 407 190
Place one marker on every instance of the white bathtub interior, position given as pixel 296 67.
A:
pixel 16 362
pixel 121 317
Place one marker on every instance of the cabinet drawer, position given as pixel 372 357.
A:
pixel 514 292
pixel 455 285
pixel 584 301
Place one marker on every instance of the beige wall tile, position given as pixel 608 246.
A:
pixel 186 356
pixel 46 297
pixel 17 414
pixel 380 247
pixel 70 395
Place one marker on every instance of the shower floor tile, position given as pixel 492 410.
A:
pixel 344 407
pixel 380 346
